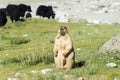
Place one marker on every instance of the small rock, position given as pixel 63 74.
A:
pixel 13 79
pixel 45 71
pixel 78 49
pixel 17 74
pixel 112 65
pixel 25 35
pixel 112 58
pixel 106 11
pixel 80 78
pixel 6 54
pixel 88 33
pixel 116 78
pixel 34 71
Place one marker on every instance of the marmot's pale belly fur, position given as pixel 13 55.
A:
pixel 59 60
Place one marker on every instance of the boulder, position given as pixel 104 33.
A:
pixel 111 45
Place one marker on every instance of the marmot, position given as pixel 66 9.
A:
pixel 64 55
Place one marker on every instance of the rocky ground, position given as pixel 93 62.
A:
pixel 94 11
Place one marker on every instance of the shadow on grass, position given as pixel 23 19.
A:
pixel 22 20
pixel 79 64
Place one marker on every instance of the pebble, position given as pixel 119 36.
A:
pixel 17 74
pixel 116 78
pixel 13 79
pixel 112 65
pixel 25 35
pixel 80 78
pixel 78 49
pixel 45 71
pixel 34 71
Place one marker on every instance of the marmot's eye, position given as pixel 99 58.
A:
pixel 61 28
pixel 65 27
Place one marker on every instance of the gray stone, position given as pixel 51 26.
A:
pixel 13 79
pixel 116 78
pixel 111 45
pixel 34 71
pixel 112 65
pixel 17 74
pixel 78 49
pixel 46 71
pixel 80 78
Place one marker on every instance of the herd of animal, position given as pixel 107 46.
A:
pixel 21 11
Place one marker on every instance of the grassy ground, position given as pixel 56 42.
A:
pixel 27 46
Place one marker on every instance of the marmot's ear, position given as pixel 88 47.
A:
pixel 65 27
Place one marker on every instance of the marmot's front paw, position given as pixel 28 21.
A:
pixel 64 54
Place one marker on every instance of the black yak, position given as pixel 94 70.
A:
pixel 3 18
pixel 45 11
pixel 17 11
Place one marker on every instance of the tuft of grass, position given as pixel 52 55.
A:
pixel 19 24
pixel 53 76
pixel 39 77
pixel 4 37
pixel 17 41
pixel 114 75
pixel 106 57
pixel 77 74
pixel 30 59
pixel 1 48
pixel 92 69
pixel 10 60
pixel 35 58
pixel 52 41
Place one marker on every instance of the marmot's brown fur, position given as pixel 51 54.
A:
pixel 63 49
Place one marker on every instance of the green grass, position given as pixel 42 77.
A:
pixel 20 53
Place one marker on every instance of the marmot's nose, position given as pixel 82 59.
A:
pixel 61 29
